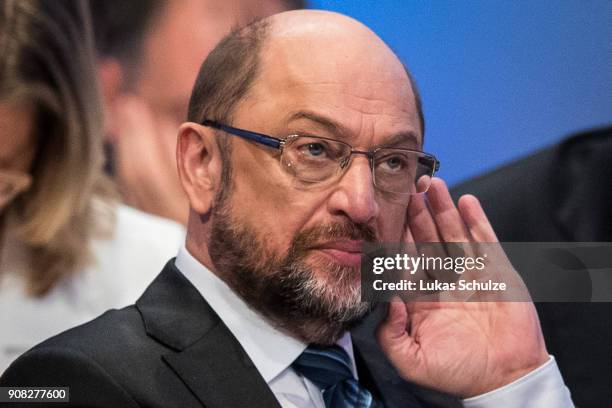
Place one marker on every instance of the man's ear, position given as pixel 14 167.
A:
pixel 110 77
pixel 199 165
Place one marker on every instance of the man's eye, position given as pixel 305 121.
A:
pixel 393 163
pixel 314 149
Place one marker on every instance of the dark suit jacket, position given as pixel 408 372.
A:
pixel 562 193
pixel 171 350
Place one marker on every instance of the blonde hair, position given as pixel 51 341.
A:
pixel 48 58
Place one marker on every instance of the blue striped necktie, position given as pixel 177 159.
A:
pixel 330 369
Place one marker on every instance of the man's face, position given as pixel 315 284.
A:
pixel 178 41
pixel 293 249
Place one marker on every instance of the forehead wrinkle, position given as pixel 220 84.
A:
pixel 330 124
pixel 398 105
pixel 369 96
pixel 343 132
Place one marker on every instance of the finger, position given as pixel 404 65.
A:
pixel 407 236
pixel 421 222
pixel 498 267
pixel 425 234
pixel 476 220
pixel 394 340
pixel 446 216
pixel 393 328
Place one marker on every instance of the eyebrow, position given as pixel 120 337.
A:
pixel 330 124
pixel 340 130
pixel 402 138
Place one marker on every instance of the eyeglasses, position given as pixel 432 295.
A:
pixel 315 159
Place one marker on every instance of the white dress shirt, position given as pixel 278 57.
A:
pixel 273 352
pixel 123 266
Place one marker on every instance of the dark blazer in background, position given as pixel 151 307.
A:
pixel 562 193
pixel 171 350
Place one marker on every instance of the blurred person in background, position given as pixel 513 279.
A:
pixel 68 251
pixel 561 194
pixel 149 53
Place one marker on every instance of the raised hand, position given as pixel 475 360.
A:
pixel 458 347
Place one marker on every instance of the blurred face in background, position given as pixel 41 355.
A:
pixel 179 39
pixel 17 149
pixel 142 122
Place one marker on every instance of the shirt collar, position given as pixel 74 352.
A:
pixel 271 350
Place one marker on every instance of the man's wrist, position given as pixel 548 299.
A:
pixel 542 388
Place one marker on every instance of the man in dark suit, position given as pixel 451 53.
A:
pixel 561 193
pixel 257 308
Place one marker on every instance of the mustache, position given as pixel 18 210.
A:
pixel 334 231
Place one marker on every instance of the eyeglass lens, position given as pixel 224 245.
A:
pixel 399 171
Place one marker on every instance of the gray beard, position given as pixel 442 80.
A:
pixel 316 308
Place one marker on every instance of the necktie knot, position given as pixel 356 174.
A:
pixel 329 368
pixel 324 366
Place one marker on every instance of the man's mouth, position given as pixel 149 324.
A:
pixel 345 252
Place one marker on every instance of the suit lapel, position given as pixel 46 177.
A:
pixel 205 355
pixel 203 352
pixel 219 373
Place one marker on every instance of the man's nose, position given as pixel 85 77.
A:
pixel 355 196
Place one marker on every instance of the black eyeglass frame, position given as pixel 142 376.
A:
pixel 278 143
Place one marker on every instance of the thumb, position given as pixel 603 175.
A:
pixel 395 341
pixel 393 329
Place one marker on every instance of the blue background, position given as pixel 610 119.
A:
pixel 499 79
